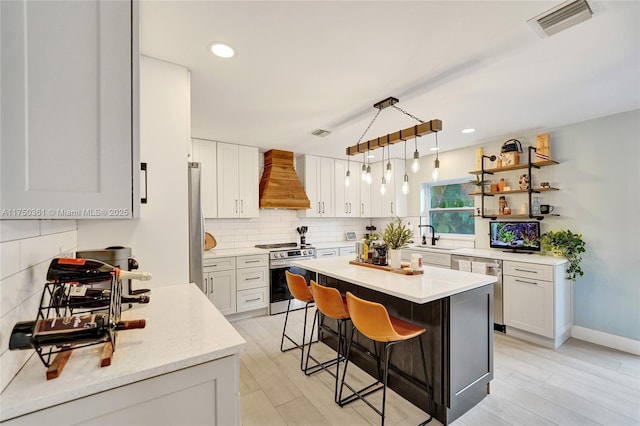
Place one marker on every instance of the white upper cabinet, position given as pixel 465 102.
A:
pixel 204 152
pixel 393 202
pixel 69 109
pixel 347 198
pixel 317 175
pixel 238 181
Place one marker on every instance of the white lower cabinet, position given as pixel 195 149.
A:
pixel 220 283
pixel 252 282
pixel 429 258
pixel 237 284
pixel 347 250
pixel 538 302
pixel 205 394
pixel 327 252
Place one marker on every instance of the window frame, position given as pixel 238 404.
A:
pixel 425 203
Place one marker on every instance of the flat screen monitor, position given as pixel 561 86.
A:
pixel 515 236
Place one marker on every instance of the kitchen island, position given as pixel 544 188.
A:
pixel 182 368
pixel 455 307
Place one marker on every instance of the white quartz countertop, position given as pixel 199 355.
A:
pixel 247 251
pixel 183 329
pixel 434 284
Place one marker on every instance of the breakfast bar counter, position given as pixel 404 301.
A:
pixel 455 307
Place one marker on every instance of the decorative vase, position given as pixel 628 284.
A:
pixel 395 261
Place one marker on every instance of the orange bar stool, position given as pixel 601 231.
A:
pixel 298 288
pixel 373 321
pixel 330 303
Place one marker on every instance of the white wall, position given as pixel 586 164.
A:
pixel 599 197
pixel 26 249
pixel 159 238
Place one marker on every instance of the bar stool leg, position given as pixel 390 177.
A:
pixel 309 370
pixel 284 332
pixel 426 377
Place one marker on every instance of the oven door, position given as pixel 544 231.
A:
pixel 279 293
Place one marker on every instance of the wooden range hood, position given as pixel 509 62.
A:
pixel 280 187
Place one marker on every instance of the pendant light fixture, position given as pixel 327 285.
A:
pixel 383 186
pixel 424 128
pixel 363 174
pixel 436 163
pixel 405 183
pixel 415 165
pixel 367 177
pixel 388 174
pixel 347 178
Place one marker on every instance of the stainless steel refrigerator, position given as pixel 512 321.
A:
pixel 196 227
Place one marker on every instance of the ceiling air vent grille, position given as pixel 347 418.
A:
pixel 562 17
pixel 321 133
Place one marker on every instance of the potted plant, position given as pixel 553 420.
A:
pixel 566 244
pixel 396 236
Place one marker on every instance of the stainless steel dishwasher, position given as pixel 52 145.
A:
pixel 485 266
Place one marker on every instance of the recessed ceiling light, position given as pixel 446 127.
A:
pixel 371 156
pixel 468 130
pixel 222 50
pixel 434 148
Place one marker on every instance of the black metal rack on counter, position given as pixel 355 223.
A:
pixel 52 305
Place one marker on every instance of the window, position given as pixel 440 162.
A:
pixel 449 206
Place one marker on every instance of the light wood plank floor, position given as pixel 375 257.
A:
pixel 578 384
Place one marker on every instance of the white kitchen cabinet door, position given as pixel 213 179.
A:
pixel 374 191
pixel 365 195
pixel 347 198
pixel 317 176
pixel 222 290
pixel 400 199
pixel 529 305
pixel 69 109
pixel 237 181
pixel 249 181
pixel 205 152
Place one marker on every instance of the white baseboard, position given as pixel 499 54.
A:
pixel 605 339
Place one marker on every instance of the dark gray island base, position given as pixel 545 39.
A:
pixel 458 346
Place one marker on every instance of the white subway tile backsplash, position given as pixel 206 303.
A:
pixel 36 250
pixel 56 226
pixel 9 258
pixel 11 230
pixel 26 248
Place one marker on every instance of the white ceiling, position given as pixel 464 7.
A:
pixel 303 65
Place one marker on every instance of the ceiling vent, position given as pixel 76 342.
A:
pixel 321 133
pixel 564 16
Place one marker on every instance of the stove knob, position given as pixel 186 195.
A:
pixel 279 254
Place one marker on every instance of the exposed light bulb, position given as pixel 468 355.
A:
pixel 405 185
pixel 434 174
pixel 347 179
pixel 364 172
pixel 368 175
pixel 388 173
pixel 383 187
pixel 415 165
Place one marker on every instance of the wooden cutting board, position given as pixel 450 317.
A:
pixel 403 271
pixel 209 241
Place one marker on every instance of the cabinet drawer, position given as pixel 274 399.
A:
pixel 252 278
pixel 252 261
pixel 252 299
pixel 347 250
pixel 528 270
pixel 332 252
pixel 219 264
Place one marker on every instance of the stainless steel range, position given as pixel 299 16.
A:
pixel 281 257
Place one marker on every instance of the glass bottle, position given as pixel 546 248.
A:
pixel 62 331
pixel 535 205
pixel 88 271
